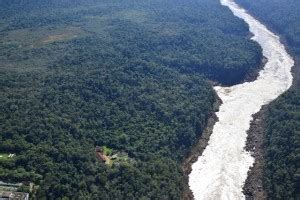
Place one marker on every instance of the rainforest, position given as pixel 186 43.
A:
pixel 105 99
pixel 281 126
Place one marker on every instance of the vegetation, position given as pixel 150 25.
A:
pixel 283 16
pixel 189 36
pixel 283 147
pixel 129 75
pixel 6 157
pixel 282 170
pixel 106 150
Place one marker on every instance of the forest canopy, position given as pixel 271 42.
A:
pixel 283 16
pixel 128 75
pixel 282 132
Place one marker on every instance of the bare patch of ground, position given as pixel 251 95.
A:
pixel 59 37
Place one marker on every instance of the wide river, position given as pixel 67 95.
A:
pixel 222 169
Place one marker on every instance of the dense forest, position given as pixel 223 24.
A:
pixel 282 125
pixel 282 170
pixel 282 16
pixel 128 75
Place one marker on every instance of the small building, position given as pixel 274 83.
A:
pixel 115 156
pixel 16 185
pixel 6 195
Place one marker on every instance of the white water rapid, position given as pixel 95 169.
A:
pixel 222 169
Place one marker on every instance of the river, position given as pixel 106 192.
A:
pixel 222 169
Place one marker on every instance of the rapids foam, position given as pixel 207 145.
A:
pixel 222 169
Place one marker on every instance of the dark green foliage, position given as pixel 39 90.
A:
pixel 282 170
pixel 283 147
pixel 124 74
pixel 281 15
pixel 190 36
pixel 58 116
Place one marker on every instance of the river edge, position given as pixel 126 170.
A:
pixel 254 185
pixel 198 149
pixel 296 68
pixel 200 146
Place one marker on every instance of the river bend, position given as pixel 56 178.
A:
pixel 222 169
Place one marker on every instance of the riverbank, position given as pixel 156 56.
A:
pixel 254 186
pixel 197 150
pixel 250 76
pixel 296 68
pixel 223 168
pixel 200 146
